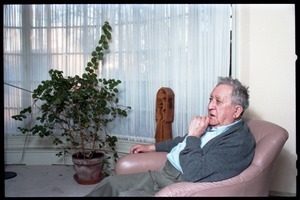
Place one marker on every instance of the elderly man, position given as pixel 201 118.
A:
pixel 218 146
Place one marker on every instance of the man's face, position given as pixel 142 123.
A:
pixel 220 110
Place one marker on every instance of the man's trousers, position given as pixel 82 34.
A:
pixel 138 184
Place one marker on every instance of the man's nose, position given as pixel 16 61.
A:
pixel 212 104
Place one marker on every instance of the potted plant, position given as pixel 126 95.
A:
pixel 75 110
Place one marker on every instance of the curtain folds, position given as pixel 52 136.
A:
pixel 183 47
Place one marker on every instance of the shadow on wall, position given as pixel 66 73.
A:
pixel 249 113
pixel 284 174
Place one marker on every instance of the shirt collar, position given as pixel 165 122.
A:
pixel 221 128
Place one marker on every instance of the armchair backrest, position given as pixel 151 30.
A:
pixel 270 139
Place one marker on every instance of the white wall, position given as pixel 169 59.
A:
pixel 264 59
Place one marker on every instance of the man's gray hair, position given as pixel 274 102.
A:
pixel 240 93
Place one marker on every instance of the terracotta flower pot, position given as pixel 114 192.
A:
pixel 88 171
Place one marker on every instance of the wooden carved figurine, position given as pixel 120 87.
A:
pixel 164 114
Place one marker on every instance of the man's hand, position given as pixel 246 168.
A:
pixel 198 126
pixel 142 148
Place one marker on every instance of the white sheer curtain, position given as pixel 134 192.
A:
pixel 183 47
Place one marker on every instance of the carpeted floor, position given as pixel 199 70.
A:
pixel 44 181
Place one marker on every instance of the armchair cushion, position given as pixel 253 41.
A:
pixel 141 162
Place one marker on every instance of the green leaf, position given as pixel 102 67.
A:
pixel 98 49
pixel 107 111
pixel 94 53
pixel 57 101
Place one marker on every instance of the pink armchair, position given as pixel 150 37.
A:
pixel 253 181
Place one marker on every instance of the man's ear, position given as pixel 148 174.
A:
pixel 238 111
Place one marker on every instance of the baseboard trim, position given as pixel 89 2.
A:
pixel 37 151
pixel 273 193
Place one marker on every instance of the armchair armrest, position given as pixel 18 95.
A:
pixel 206 189
pixel 247 183
pixel 141 162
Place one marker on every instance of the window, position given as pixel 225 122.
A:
pixel 183 47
